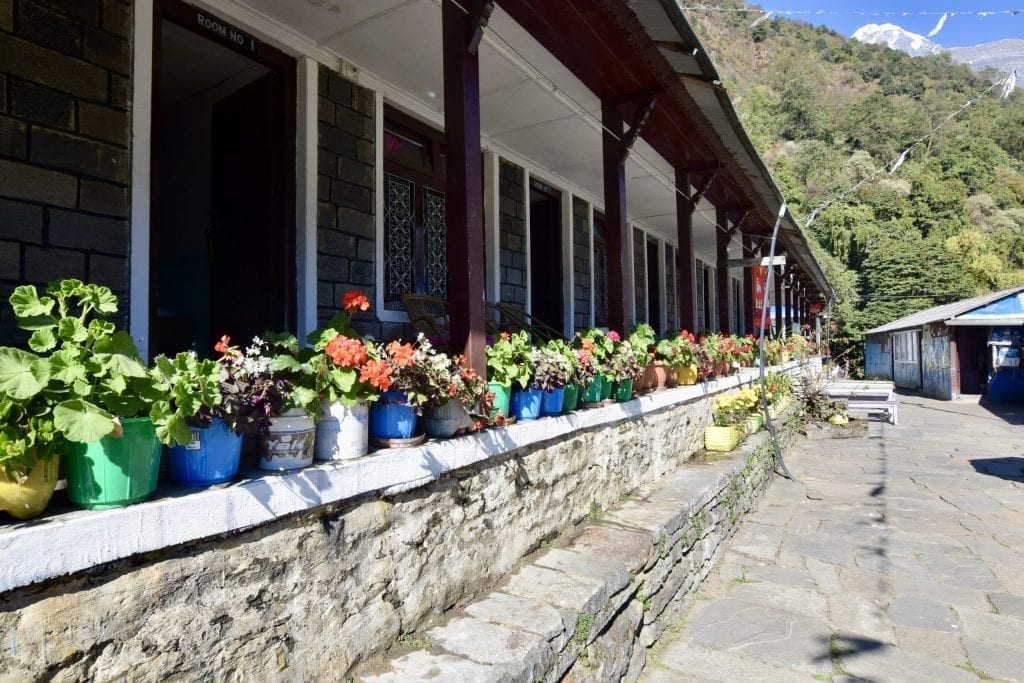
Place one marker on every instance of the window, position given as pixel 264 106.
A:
pixel 415 227
pixel 904 345
pixel 702 317
pixel 600 273
pixel 736 307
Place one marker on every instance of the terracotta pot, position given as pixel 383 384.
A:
pixel 653 379
pixel 671 375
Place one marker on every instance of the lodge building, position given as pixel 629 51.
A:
pixel 236 165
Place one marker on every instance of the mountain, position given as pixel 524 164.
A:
pixel 1005 55
pixel 897 38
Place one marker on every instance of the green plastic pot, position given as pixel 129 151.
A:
pixel 114 472
pixel 570 398
pixel 502 397
pixel 606 387
pixel 592 392
pixel 623 391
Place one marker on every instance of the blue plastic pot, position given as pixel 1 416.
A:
pixel 551 401
pixel 211 457
pixel 391 417
pixel 526 403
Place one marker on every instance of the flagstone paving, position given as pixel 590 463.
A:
pixel 899 556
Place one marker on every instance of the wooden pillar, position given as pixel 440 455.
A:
pixel 615 217
pixel 464 205
pixel 749 324
pixel 722 239
pixel 779 288
pixel 789 307
pixel 686 282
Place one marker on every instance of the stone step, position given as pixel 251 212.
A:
pixel 589 610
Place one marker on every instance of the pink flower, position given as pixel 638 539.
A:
pixel 614 336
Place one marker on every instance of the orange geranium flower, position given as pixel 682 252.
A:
pixel 223 345
pixel 346 352
pixel 354 300
pixel 402 354
pixel 588 345
pixel 505 336
pixel 377 374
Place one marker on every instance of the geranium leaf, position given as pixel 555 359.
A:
pixel 26 302
pixel 72 329
pixel 285 362
pixel 42 340
pixel 22 374
pixel 82 421
pixel 64 367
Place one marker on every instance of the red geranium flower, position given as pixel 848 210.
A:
pixel 402 354
pixel 377 374
pixel 346 352
pixel 354 300
pixel 223 345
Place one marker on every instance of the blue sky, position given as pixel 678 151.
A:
pixel 959 31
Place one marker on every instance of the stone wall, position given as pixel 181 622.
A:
pixel 346 229
pixel 581 262
pixel 65 132
pixel 512 232
pixel 328 589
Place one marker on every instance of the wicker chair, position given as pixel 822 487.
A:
pixel 514 319
pixel 427 314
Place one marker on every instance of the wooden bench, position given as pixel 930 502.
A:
pixel 871 397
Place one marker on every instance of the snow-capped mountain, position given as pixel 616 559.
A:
pixel 897 38
pixel 1005 55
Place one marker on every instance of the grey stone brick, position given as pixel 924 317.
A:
pixel 353 122
pixel 357 223
pixel 120 91
pixel 37 64
pixel 71 229
pixel 356 173
pixel 326 216
pixel 108 51
pixel 366 251
pixel 108 270
pixel 117 18
pixel 365 151
pixel 42 105
pixel 336 243
pixel 10 260
pixel 327 163
pixel 96 196
pixel 86 11
pixel 337 141
pixel 22 181
pixel 49 29
pixel 98 121
pixel 361 273
pixel 325 109
pixel 13 138
pixel 21 221
pixel 3 92
pixel 338 89
pixel 78 154
pixel 7 15
pixel 351 196
pixel 46 264
pixel 332 268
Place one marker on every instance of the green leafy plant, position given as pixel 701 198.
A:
pixel 624 364
pixel 644 340
pixel 80 376
pixel 508 359
pixel 552 367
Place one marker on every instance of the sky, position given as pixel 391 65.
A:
pixel 959 31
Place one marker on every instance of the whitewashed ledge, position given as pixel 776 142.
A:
pixel 70 542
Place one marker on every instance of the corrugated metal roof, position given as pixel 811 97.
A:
pixel 1007 310
pixel 944 312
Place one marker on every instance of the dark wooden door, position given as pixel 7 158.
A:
pixel 251 246
pixel 653 286
pixel 546 259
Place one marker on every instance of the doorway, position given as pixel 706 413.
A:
pixel 971 358
pixel 222 254
pixel 653 286
pixel 546 254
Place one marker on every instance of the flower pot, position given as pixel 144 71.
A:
pixel 839 419
pixel 606 387
pixel 654 378
pixel 502 397
pixel 721 368
pixel 671 375
pixel 441 422
pixel 289 445
pixel 571 398
pixel 526 403
pixel 114 472
pixel 721 438
pixel 391 417
pixel 623 391
pixel 754 423
pixel 592 392
pixel 344 432
pixel 551 402
pixel 687 374
pixel 210 457
pixel 29 497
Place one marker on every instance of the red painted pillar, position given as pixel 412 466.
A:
pixel 722 239
pixel 686 283
pixel 464 206
pixel 615 225
pixel 748 289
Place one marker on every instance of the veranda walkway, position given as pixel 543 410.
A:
pixel 900 557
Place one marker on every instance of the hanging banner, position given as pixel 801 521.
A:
pixel 760 285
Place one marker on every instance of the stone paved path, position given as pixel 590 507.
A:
pixel 900 557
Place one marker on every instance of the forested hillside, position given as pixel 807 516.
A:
pixel 826 112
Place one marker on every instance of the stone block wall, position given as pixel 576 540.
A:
pixel 639 275
pixel 65 134
pixel 346 228
pixel 671 310
pixel 512 232
pixel 326 590
pixel 581 262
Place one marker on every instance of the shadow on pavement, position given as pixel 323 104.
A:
pixel 1010 468
pixel 841 647
pixel 1012 413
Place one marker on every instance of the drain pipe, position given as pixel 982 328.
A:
pixel 772 433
